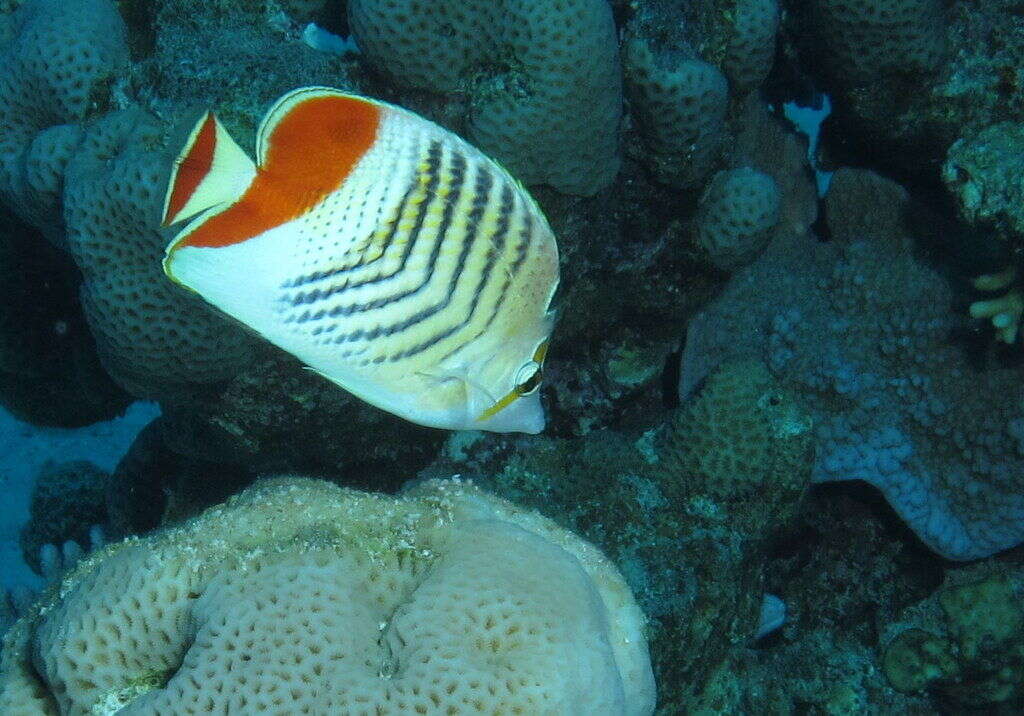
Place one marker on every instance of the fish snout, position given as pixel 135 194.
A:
pixel 524 415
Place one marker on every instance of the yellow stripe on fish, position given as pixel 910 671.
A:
pixel 382 250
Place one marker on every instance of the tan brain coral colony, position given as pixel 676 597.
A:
pixel 298 596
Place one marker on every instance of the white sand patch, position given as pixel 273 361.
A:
pixel 25 448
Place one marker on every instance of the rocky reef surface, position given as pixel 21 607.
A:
pixel 793 423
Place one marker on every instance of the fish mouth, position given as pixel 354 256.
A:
pixel 524 414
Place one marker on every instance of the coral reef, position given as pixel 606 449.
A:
pixel 541 78
pixel 688 66
pixel 689 507
pixel 153 338
pixel 908 78
pixel 157 342
pixel 67 501
pixel 831 357
pixel 444 598
pixel 964 642
pixel 861 329
pixel 844 568
pixel 920 83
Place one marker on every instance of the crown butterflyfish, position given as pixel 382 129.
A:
pixel 380 249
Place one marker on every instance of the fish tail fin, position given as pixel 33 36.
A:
pixel 210 170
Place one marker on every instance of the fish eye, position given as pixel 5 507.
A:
pixel 528 378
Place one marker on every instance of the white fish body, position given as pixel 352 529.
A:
pixel 381 250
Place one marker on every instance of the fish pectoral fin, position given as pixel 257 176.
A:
pixel 210 170
pixel 444 374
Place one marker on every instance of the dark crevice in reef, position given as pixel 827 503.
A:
pixel 140 17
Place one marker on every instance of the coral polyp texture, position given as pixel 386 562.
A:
pixel 680 110
pixel 750 43
pixel 868 39
pixel 542 77
pixel 59 60
pixel 861 328
pixel 298 596
pixel 742 435
pixel 739 209
pixel 689 68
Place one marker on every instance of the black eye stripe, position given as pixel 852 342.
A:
pixel 532 383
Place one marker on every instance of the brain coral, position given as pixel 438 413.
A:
pixel 59 57
pixel 542 76
pixel 861 329
pixel 301 597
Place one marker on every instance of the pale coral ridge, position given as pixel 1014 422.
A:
pixel 301 597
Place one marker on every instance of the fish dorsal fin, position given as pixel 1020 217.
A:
pixel 308 144
pixel 356 117
pixel 210 170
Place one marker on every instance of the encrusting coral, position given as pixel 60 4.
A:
pixel 299 596
pixel 965 642
pixel 860 327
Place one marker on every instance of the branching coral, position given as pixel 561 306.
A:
pixel 1006 310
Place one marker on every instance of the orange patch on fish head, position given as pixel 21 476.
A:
pixel 310 152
